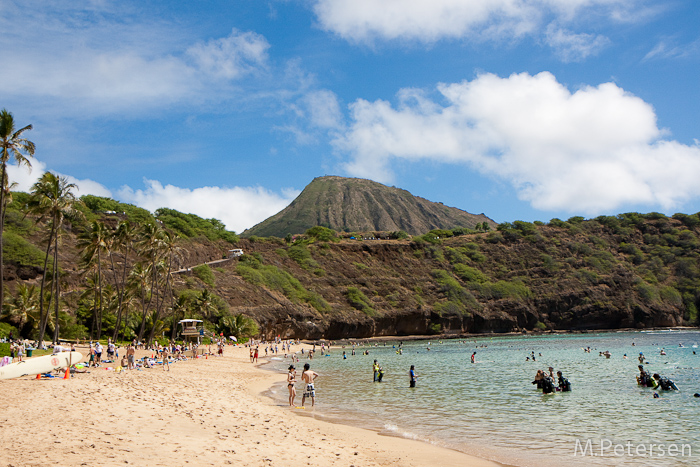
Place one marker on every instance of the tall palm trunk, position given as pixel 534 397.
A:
pixel 99 286
pixel 43 319
pixel 2 229
pixel 57 297
pixel 121 290
pixel 159 308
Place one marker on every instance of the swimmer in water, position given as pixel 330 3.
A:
pixel 474 357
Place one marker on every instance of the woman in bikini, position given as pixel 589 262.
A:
pixel 291 379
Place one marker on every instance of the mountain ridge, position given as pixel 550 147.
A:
pixel 355 204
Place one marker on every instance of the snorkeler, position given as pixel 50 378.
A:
pixel 665 383
pixel 547 385
pixel 564 384
pixel 539 379
pixel 644 379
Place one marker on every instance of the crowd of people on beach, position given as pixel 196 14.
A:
pixel 161 355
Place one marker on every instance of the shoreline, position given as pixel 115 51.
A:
pixel 207 411
pixel 422 450
pixel 552 332
pixel 389 448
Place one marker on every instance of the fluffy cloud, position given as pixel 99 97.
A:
pixel 428 21
pixel 25 177
pixel 591 150
pixel 237 207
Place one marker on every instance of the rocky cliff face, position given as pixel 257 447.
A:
pixel 554 279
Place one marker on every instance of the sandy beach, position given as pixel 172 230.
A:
pixel 202 412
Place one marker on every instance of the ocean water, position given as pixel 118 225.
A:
pixel 491 409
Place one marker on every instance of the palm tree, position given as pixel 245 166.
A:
pixel 12 146
pixel 94 242
pixel 180 307
pixel 123 241
pixel 239 326
pixel 52 199
pixel 151 247
pixel 21 306
pixel 171 251
pixel 204 304
pixel 138 283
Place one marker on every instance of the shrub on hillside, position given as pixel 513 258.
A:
pixel 205 274
pixel 322 234
pixel 359 301
pixel 469 274
pixel 191 225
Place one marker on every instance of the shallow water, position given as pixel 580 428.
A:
pixel 492 410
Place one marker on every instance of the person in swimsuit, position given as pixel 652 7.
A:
pixel 412 377
pixel 166 358
pixel 130 352
pixel 308 377
pixel 291 379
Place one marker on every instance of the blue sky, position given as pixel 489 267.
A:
pixel 520 109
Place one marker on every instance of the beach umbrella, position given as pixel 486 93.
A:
pixel 233 338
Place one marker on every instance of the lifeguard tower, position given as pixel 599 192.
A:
pixel 192 329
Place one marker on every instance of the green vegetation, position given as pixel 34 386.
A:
pixel 20 251
pixel 506 289
pixel 6 329
pixel 251 269
pixel 301 254
pixel 459 299
pixel 359 301
pixel 322 234
pixel 630 270
pixel 191 225
pixel 100 205
pixel 205 274
pixel 469 274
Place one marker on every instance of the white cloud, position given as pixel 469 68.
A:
pixel 315 112
pixel 232 56
pixel 238 208
pixel 25 179
pixel 571 47
pixel 91 59
pixel 429 21
pixel 667 49
pixel 322 109
pixel 591 150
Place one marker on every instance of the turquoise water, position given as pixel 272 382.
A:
pixel 492 410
